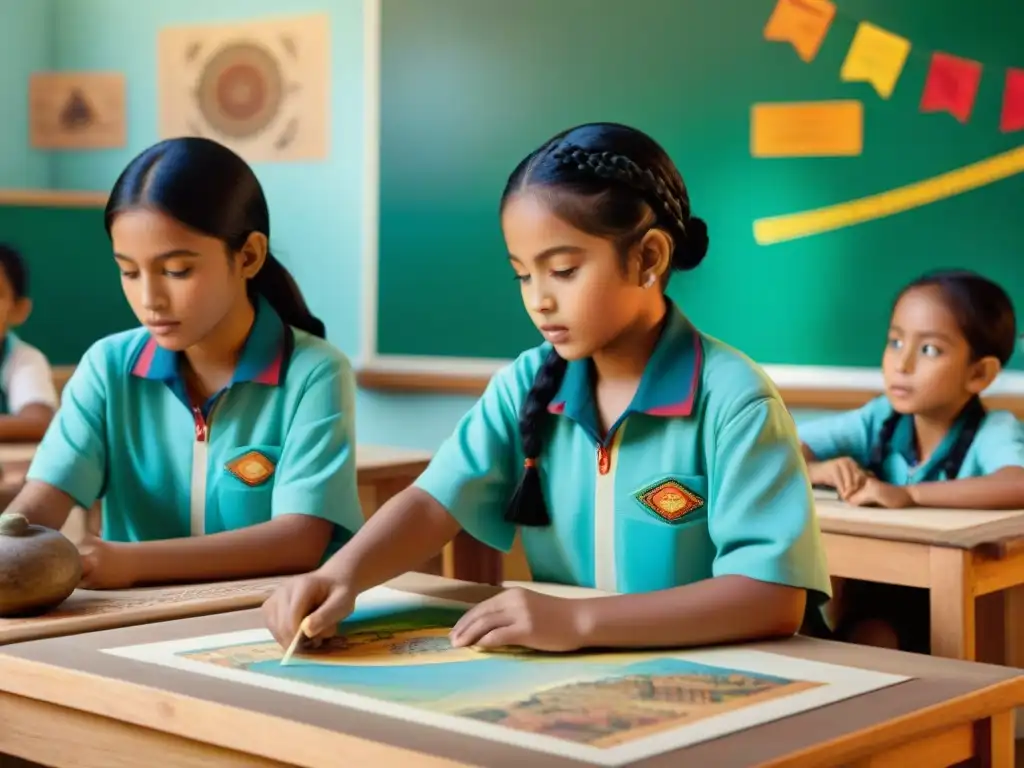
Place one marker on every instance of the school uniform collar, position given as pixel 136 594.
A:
pixel 904 443
pixel 264 357
pixel 667 388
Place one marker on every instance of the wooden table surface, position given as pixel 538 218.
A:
pixel 90 610
pixel 63 702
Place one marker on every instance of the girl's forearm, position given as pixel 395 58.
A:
pixel 408 530
pixel 718 610
pixel 1001 490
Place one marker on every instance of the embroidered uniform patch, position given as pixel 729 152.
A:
pixel 669 500
pixel 252 468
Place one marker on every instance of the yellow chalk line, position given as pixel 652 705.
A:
pixel 777 229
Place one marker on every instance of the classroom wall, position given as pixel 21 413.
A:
pixel 316 207
pixel 25 45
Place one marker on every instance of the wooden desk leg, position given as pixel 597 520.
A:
pixel 994 744
pixel 466 558
pixel 951 594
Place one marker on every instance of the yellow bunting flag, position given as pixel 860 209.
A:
pixel 807 129
pixel 876 57
pixel 802 23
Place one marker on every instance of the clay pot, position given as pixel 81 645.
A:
pixel 39 567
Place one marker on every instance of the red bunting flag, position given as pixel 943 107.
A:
pixel 1012 117
pixel 952 86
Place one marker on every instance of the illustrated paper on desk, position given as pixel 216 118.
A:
pixel 807 129
pixel 801 23
pixel 876 57
pixel 393 658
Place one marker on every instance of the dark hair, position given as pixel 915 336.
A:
pixel 14 267
pixel 985 315
pixel 209 188
pixel 612 181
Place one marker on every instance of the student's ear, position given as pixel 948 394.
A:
pixel 20 311
pixel 983 372
pixel 253 254
pixel 655 254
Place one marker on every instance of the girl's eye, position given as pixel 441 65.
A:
pixel 129 275
pixel 931 350
pixel 178 273
pixel 521 278
pixel 895 343
pixel 564 273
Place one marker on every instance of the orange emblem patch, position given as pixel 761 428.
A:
pixel 252 469
pixel 669 500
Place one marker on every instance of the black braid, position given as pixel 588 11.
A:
pixel 881 447
pixel 655 189
pixel 527 506
pixel 973 414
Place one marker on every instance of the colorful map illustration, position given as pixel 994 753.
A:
pixel 601 700
pixel 393 657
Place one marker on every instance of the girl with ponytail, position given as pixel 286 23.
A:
pixel 928 441
pixel 219 436
pixel 633 453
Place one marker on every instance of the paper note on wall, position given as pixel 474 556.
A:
pixel 801 23
pixel 807 129
pixel 876 57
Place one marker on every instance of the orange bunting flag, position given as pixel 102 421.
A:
pixel 952 86
pixel 801 23
pixel 1012 117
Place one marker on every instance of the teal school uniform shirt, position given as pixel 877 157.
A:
pixel 278 440
pixel 702 476
pixel 998 443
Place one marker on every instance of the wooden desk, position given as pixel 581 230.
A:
pixel 960 556
pixel 65 703
pixel 90 610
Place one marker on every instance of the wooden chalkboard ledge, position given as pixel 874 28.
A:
pixel 459 382
pixel 57 198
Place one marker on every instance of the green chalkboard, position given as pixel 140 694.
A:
pixel 468 87
pixel 73 281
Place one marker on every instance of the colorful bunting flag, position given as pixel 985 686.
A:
pixel 1012 117
pixel 801 23
pixel 951 86
pixel 875 57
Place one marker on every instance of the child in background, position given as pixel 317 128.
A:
pixel 28 398
pixel 636 454
pixel 928 441
pixel 220 435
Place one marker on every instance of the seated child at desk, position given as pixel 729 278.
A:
pixel 220 434
pixel 635 454
pixel 928 441
pixel 28 397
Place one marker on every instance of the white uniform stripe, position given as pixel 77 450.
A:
pixel 197 491
pixel 605 570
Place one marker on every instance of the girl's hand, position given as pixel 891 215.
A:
pixel 106 564
pixel 875 493
pixel 323 600
pixel 844 474
pixel 521 617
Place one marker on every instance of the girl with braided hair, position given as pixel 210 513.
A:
pixel 634 454
pixel 928 441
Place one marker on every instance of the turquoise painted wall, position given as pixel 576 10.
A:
pixel 25 45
